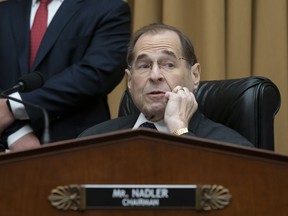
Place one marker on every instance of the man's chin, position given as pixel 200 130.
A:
pixel 154 113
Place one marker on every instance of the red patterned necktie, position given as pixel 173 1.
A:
pixel 38 28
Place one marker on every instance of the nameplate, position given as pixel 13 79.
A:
pixel 95 196
pixel 140 196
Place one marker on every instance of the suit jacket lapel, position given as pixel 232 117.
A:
pixel 129 123
pixel 20 18
pixel 65 12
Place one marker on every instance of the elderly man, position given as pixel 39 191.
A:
pixel 163 72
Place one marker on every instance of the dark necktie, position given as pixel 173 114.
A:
pixel 38 28
pixel 148 125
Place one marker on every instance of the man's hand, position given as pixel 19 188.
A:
pixel 26 142
pixel 181 106
pixel 6 117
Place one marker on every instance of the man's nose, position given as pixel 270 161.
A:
pixel 156 72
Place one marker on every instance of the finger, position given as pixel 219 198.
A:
pixel 176 89
pixel 183 90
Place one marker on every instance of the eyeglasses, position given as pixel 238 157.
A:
pixel 166 64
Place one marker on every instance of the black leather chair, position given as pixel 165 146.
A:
pixel 248 105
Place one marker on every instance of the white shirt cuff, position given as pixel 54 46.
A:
pixel 18 109
pixel 18 134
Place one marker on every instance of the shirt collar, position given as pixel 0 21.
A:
pixel 160 125
pixel 36 1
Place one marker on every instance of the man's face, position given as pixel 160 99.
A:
pixel 158 67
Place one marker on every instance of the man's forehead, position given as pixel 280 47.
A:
pixel 162 53
pixel 166 42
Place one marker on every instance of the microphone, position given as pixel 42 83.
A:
pixel 28 83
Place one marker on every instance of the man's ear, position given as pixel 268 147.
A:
pixel 128 74
pixel 196 71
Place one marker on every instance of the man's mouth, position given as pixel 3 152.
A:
pixel 156 92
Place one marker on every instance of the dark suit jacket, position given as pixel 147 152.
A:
pixel 199 126
pixel 82 57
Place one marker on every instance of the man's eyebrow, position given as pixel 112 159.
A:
pixel 140 57
pixel 169 53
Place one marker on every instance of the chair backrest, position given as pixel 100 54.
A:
pixel 247 105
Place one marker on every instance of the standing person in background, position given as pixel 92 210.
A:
pixel 81 57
